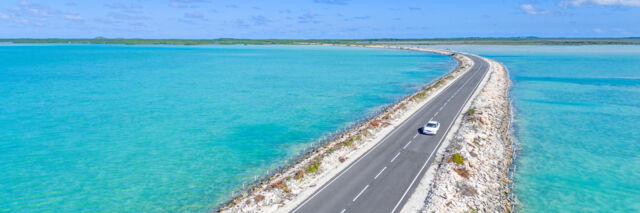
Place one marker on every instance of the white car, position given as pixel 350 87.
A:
pixel 431 128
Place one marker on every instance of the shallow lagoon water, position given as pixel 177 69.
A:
pixel 86 128
pixel 577 115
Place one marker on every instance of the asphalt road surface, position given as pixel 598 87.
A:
pixel 383 179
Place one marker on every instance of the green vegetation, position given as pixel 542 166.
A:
pixel 359 137
pixel 421 94
pixel 313 165
pixel 361 42
pixel 330 150
pixel 135 41
pixel 348 142
pixel 471 111
pixel 504 41
pixel 457 159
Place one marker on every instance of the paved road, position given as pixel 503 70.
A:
pixel 383 179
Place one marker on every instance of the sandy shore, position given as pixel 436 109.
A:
pixel 285 190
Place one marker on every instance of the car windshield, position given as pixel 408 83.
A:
pixel 431 125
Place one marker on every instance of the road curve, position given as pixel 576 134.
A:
pixel 383 179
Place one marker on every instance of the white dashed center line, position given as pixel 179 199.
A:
pixel 355 198
pixel 343 210
pixel 405 146
pixel 376 177
pixel 394 158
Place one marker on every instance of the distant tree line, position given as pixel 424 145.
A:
pixel 363 42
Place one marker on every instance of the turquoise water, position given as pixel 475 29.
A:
pixel 577 122
pixel 94 128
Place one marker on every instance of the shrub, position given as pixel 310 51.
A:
pixel 471 111
pixel 462 172
pixel 348 142
pixel 299 174
pixel 359 137
pixel 375 123
pixel 457 159
pixel 259 198
pixel 281 185
pixel 421 94
pixel 313 165
pixel 330 150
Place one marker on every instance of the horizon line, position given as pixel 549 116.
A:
pixel 337 39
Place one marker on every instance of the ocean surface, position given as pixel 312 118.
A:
pixel 115 128
pixel 577 122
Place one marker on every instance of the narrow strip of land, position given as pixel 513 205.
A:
pixel 382 179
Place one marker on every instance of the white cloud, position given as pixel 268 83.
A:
pixel 29 13
pixel 195 15
pixel 176 5
pixel 598 30
pixel 336 2
pixel 529 9
pixel 185 3
pixel 577 3
pixel 73 16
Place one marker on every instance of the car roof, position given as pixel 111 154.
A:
pixel 432 122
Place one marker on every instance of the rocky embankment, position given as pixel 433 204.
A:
pixel 471 173
pixel 285 190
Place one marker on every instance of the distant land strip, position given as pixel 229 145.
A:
pixel 364 42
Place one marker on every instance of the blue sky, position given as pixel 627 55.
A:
pixel 318 18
